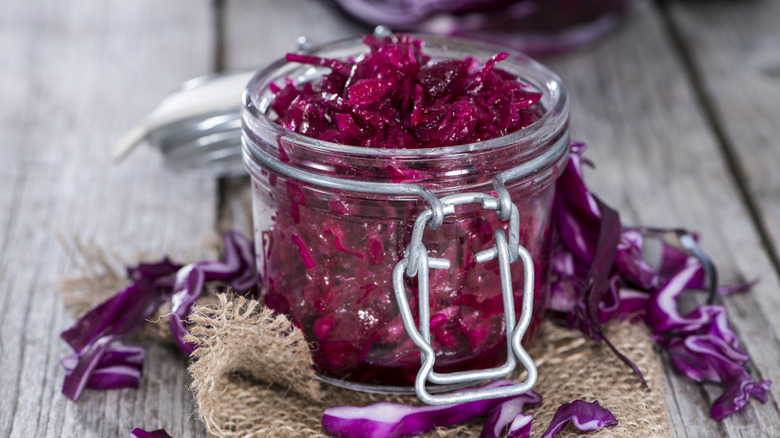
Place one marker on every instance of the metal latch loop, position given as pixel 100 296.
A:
pixel 416 262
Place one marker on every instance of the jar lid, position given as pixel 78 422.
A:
pixel 197 127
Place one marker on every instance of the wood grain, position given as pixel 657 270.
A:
pixel 734 51
pixel 75 75
pixel 733 55
pixel 260 31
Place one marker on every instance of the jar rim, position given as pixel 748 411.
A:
pixel 550 124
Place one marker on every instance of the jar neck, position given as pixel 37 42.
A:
pixel 454 168
pixel 442 174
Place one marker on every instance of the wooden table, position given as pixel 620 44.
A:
pixel 680 107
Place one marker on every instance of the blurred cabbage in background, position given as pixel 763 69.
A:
pixel 535 27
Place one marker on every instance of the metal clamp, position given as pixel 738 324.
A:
pixel 417 263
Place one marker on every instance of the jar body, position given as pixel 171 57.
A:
pixel 326 254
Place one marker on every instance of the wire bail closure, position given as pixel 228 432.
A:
pixel 416 262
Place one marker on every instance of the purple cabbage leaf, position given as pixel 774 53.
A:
pixel 593 284
pixel 505 417
pixel 119 366
pixel 589 235
pixel 98 363
pixel 140 433
pixel 583 415
pixel 510 413
pixel 393 420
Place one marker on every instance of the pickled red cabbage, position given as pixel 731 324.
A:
pixel 396 97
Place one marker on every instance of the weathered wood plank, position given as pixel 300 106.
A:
pixel 10 179
pixel 734 54
pixel 734 49
pixel 78 74
pixel 260 31
pixel 658 161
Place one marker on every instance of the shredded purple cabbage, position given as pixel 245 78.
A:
pixel 593 284
pixel 119 367
pixel 395 98
pixel 140 433
pixel 392 420
pixel 702 345
pixel 98 363
pixel 589 255
pixel 583 415
pixel 505 417
pixel 92 335
pixel 510 413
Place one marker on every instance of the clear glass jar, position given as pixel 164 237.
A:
pixel 326 255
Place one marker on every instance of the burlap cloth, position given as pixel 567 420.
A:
pixel 252 373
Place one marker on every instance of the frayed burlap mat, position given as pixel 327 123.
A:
pixel 572 366
pixel 253 377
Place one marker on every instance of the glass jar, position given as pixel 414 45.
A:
pixel 326 252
